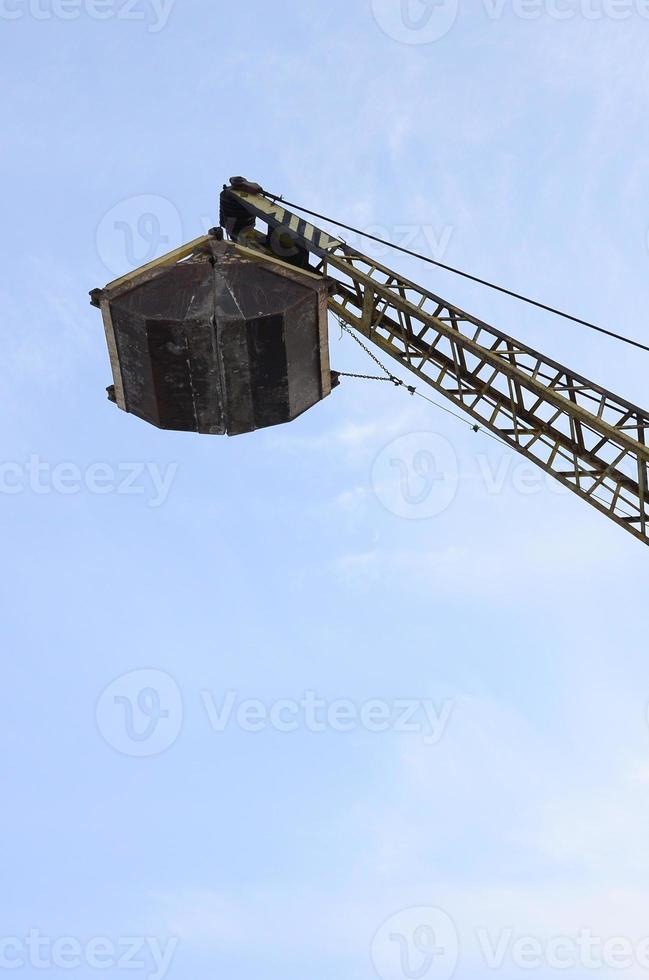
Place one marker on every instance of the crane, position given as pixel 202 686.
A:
pixel 590 440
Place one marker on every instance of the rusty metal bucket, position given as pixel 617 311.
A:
pixel 216 339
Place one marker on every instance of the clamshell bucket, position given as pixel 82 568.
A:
pixel 217 339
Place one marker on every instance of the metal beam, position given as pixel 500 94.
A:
pixel 586 437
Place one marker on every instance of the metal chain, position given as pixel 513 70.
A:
pixel 364 377
pixel 401 384
pixel 368 377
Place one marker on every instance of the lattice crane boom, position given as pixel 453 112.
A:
pixel 589 439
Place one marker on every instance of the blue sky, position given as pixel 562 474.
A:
pixel 171 605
